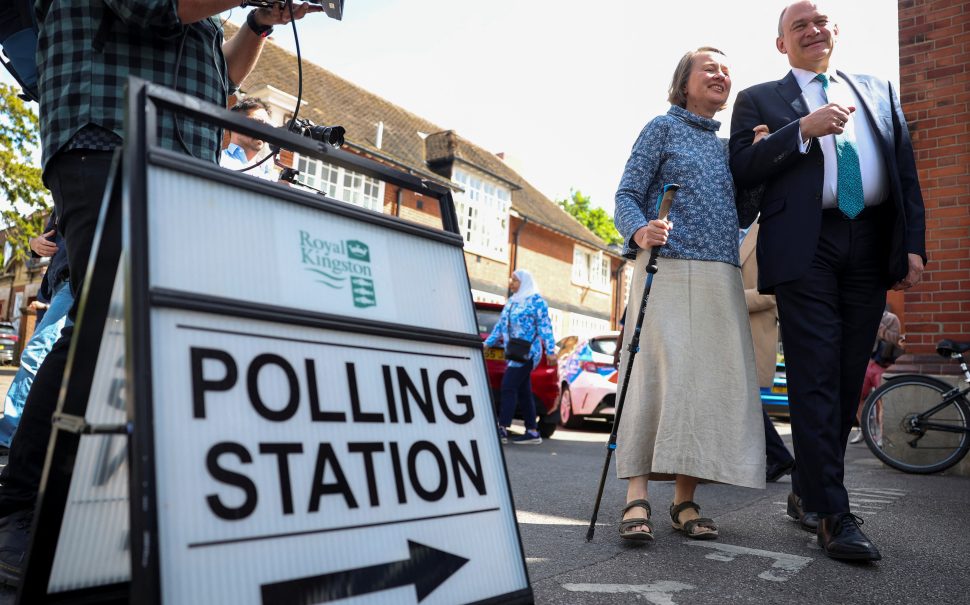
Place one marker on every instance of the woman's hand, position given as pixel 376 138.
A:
pixel 654 234
pixel 760 132
pixel 551 359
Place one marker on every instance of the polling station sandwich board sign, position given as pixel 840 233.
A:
pixel 307 402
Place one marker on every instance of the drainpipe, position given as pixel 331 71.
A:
pixel 515 252
pixel 617 299
pixel 397 202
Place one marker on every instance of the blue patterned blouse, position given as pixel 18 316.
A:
pixel 681 147
pixel 528 320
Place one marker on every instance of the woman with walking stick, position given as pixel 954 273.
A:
pixel 692 408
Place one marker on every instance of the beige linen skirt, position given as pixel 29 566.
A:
pixel 693 406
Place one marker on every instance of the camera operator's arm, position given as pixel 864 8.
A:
pixel 190 11
pixel 242 51
pixel 165 18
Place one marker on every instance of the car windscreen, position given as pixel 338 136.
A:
pixel 487 319
pixel 605 345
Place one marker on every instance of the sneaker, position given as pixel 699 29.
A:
pixel 857 438
pixel 503 435
pixel 14 540
pixel 529 438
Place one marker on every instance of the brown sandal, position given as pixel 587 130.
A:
pixel 701 528
pixel 627 525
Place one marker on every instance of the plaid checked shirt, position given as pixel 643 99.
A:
pixel 81 87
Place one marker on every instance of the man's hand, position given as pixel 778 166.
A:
pixel 827 119
pixel 654 234
pixel 42 246
pixel 280 14
pixel 915 273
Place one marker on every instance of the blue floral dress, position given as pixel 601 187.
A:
pixel 528 320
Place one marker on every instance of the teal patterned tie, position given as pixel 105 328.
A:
pixel 851 197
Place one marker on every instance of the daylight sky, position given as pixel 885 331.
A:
pixel 563 87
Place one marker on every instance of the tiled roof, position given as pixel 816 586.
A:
pixel 331 100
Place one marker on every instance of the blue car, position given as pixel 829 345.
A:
pixel 774 399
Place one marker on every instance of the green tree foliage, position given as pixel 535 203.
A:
pixel 594 219
pixel 20 180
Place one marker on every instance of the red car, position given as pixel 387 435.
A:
pixel 545 378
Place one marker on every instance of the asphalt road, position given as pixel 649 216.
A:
pixel 918 522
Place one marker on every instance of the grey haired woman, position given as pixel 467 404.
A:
pixel 692 411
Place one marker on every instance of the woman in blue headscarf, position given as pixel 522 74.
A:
pixel 525 316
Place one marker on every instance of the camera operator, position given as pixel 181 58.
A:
pixel 243 149
pixel 86 50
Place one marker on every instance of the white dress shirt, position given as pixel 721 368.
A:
pixel 234 158
pixel 875 185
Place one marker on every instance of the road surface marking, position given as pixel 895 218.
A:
pixel 525 517
pixel 892 493
pixel 658 593
pixel 784 567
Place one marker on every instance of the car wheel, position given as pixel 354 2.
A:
pixel 546 427
pixel 566 416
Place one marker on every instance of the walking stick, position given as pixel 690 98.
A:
pixel 669 192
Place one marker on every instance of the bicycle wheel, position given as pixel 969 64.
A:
pixel 907 425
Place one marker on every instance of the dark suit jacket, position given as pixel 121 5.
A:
pixel 791 206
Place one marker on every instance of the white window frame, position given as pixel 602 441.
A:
pixel 483 209
pixel 591 269
pixel 340 183
pixel 586 326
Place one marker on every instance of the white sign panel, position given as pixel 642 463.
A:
pixel 93 548
pixel 208 238
pixel 301 465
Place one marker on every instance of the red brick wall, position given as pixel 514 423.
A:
pixel 934 61
pixel 412 206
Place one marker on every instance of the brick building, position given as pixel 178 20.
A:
pixel 19 285
pixel 506 222
pixel 934 63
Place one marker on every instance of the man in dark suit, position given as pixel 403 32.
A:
pixel 841 222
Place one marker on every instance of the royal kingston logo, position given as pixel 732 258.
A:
pixel 339 264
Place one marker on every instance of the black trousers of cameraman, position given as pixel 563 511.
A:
pixel 77 180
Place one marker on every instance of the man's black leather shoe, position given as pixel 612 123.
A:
pixel 807 521
pixel 840 537
pixel 774 472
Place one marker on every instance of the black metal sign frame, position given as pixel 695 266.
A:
pixel 125 210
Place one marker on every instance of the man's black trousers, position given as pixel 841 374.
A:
pixel 77 181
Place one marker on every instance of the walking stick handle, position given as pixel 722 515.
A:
pixel 665 202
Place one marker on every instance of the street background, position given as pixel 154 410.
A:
pixel 919 523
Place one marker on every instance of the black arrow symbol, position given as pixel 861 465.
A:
pixel 426 568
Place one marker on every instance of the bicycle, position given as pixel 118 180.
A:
pixel 919 424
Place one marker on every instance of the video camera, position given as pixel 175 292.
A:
pixel 333 8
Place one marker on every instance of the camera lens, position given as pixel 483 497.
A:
pixel 331 135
